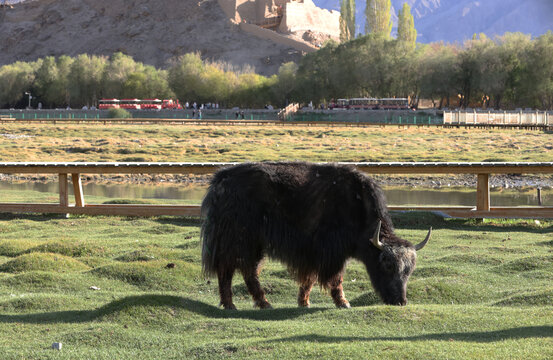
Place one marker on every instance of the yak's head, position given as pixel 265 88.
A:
pixel 395 263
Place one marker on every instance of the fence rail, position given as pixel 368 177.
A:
pixel 482 171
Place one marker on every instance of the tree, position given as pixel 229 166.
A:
pixel 118 70
pixel 378 16
pixel 45 78
pixel 347 20
pixel 286 83
pixel 85 79
pixel 538 83
pixel 15 80
pixel 184 77
pixel 406 32
pixel 437 75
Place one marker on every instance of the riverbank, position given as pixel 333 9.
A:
pixel 506 181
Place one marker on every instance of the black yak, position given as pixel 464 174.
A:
pixel 311 217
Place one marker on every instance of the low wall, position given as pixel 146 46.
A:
pixel 222 114
pixel 276 37
pixel 371 116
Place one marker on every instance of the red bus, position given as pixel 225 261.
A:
pixel 171 104
pixel 105 104
pixel 136 104
pixel 151 104
pixel 371 104
pixel 129 104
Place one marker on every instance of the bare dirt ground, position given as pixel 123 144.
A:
pixel 151 31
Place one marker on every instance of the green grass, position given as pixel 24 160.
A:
pixel 48 142
pixel 480 290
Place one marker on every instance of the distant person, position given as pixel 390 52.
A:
pixel 40 106
pixel 84 108
pixel 200 114
pixel 186 105
pixel 237 114
pixel 242 114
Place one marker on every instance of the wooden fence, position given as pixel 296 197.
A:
pixel 482 208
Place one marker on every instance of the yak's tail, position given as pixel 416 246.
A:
pixel 208 233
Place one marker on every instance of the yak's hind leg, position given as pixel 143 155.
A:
pixel 306 284
pixel 224 275
pixel 251 278
pixel 337 292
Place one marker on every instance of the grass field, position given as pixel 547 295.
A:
pixel 481 290
pixel 48 142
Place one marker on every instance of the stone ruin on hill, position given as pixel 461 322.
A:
pixel 298 20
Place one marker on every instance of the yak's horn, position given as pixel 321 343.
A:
pixel 375 239
pixel 423 243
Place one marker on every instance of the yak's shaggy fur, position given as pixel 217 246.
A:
pixel 311 217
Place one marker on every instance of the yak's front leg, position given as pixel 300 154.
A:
pixel 251 278
pixel 306 285
pixel 337 292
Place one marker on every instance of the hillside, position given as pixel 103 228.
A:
pixel 144 29
pixel 458 20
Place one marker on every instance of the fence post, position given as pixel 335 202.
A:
pixel 483 193
pixel 78 190
pixel 64 199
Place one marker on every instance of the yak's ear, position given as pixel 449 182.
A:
pixel 376 238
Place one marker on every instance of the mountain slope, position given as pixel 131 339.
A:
pixel 149 30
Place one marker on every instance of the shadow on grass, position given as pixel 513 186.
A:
pixel 114 307
pixel 180 221
pixel 33 217
pixel 525 332
pixel 423 220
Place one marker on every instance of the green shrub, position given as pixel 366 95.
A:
pixel 119 114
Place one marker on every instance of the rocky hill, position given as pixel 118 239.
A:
pixel 458 20
pixel 151 31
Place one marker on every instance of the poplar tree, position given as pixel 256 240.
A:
pixel 406 31
pixel 347 20
pixel 379 19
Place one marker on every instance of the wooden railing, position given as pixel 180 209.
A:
pixel 499 118
pixel 482 171
pixel 288 111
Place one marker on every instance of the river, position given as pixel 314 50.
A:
pixel 194 194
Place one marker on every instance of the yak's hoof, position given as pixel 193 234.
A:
pixel 304 304
pixel 344 305
pixel 264 305
pixel 229 307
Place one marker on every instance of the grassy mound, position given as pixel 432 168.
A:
pixel 526 264
pixel 40 302
pixel 138 255
pixel 15 247
pixel 153 275
pixel 67 249
pixel 541 298
pixel 42 262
